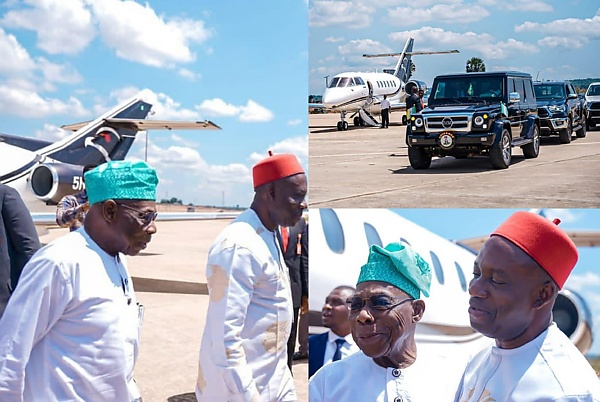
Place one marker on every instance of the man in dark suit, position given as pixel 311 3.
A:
pixel 337 342
pixel 294 243
pixel 18 241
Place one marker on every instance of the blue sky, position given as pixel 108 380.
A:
pixel 558 39
pixel 459 224
pixel 238 63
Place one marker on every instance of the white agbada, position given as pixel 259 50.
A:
pixel 243 355
pixel 359 378
pixel 548 368
pixel 71 329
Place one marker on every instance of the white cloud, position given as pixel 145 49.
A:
pixel 439 13
pixel 62 26
pixel 566 33
pixel 189 74
pixel 352 52
pixel 59 73
pixel 484 44
pixel 218 108
pixel 11 49
pixel 294 145
pixel 535 6
pixel 52 133
pixel 253 112
pixel 138 34
pixel 27 103
pixel 352 15
pixel 333 39
pixel 294 122
pixel 579 282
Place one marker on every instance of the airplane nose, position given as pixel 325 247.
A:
pixel 333 97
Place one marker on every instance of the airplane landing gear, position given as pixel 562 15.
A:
pixel 342 124
pixel 358 122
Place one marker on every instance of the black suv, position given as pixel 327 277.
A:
pixel 476 114
pixel 560 109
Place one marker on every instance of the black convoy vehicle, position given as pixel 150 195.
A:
pixel 560 110
pixel 476 114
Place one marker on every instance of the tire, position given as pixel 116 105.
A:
pixel 564 136
pixel 501 153
pixel 418 158
pixel 404 120
pixel 339 126
pixel 532 150
pixel 582 130
pixel 356 121
pixel 344 125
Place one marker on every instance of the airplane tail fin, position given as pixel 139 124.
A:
pixel 99 140
pixel 404 66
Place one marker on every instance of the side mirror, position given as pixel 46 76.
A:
pixel 514 97
pixel 572 96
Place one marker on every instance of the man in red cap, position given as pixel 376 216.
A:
pixel 243 354
pixel 516 278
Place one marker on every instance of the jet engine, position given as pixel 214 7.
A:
pixel 51 181
pixel 413 83
pixel 573 317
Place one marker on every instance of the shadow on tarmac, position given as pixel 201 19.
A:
pixel 188 397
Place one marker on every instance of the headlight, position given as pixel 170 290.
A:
pixel 556 108
pixel 419 122
pixel 479 120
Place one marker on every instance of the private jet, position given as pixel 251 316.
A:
pixel 339 244
pixel 43 172
pixel 361 93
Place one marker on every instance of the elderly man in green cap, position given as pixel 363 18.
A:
pixel 71 329
pixel 384 312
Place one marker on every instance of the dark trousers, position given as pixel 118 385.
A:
pixel 385 118
pixel 291 345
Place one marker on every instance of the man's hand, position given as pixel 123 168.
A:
pixel 304 305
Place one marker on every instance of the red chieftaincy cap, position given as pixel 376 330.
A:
pixel 275 167
pixel 543 241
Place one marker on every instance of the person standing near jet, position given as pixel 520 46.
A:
pixel 71 209
pixel 516 278
pixel 385 112
pixel 18 241
pixel 70 331
pixel 336 343
pixel 243 354
pixel 413 102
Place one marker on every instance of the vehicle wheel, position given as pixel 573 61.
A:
pixel 404 120
pixel 344 125
pixel 339 126
pixel 419 159
pixel 356 121
pixel 564 136
pixel 591 124
pixel 500 153
pixel 582 131
pixel 532 150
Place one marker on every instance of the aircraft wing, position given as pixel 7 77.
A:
pixel 409 53
pixel 581 238
pixel 143 124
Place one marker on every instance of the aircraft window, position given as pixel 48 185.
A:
pixel 333 83
pixel 344 82
pixel 332 228
pixel 359 81
pixel 437 267
pixel 372 235
pixel 461 277
pixel 403 240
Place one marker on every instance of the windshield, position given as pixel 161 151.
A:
pixel 486 88
pixel 549 91
pixel 593 90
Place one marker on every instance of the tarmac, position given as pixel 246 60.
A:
pixel 368 167
pixel 169 280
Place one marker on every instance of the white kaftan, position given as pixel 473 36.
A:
pixel 71 329
pixel 243 355
pixel 359 378
pixel 548 368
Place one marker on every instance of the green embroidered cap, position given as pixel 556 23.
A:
pixel 398 265
pixel 121 180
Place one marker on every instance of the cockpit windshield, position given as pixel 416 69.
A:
pixel 549 91
pixel 341 82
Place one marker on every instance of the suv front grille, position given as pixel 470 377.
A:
pixel 450 122
pixel 543 112
pixel 594 106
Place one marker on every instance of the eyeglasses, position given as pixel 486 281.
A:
pixel 377 302
pixel 147 217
